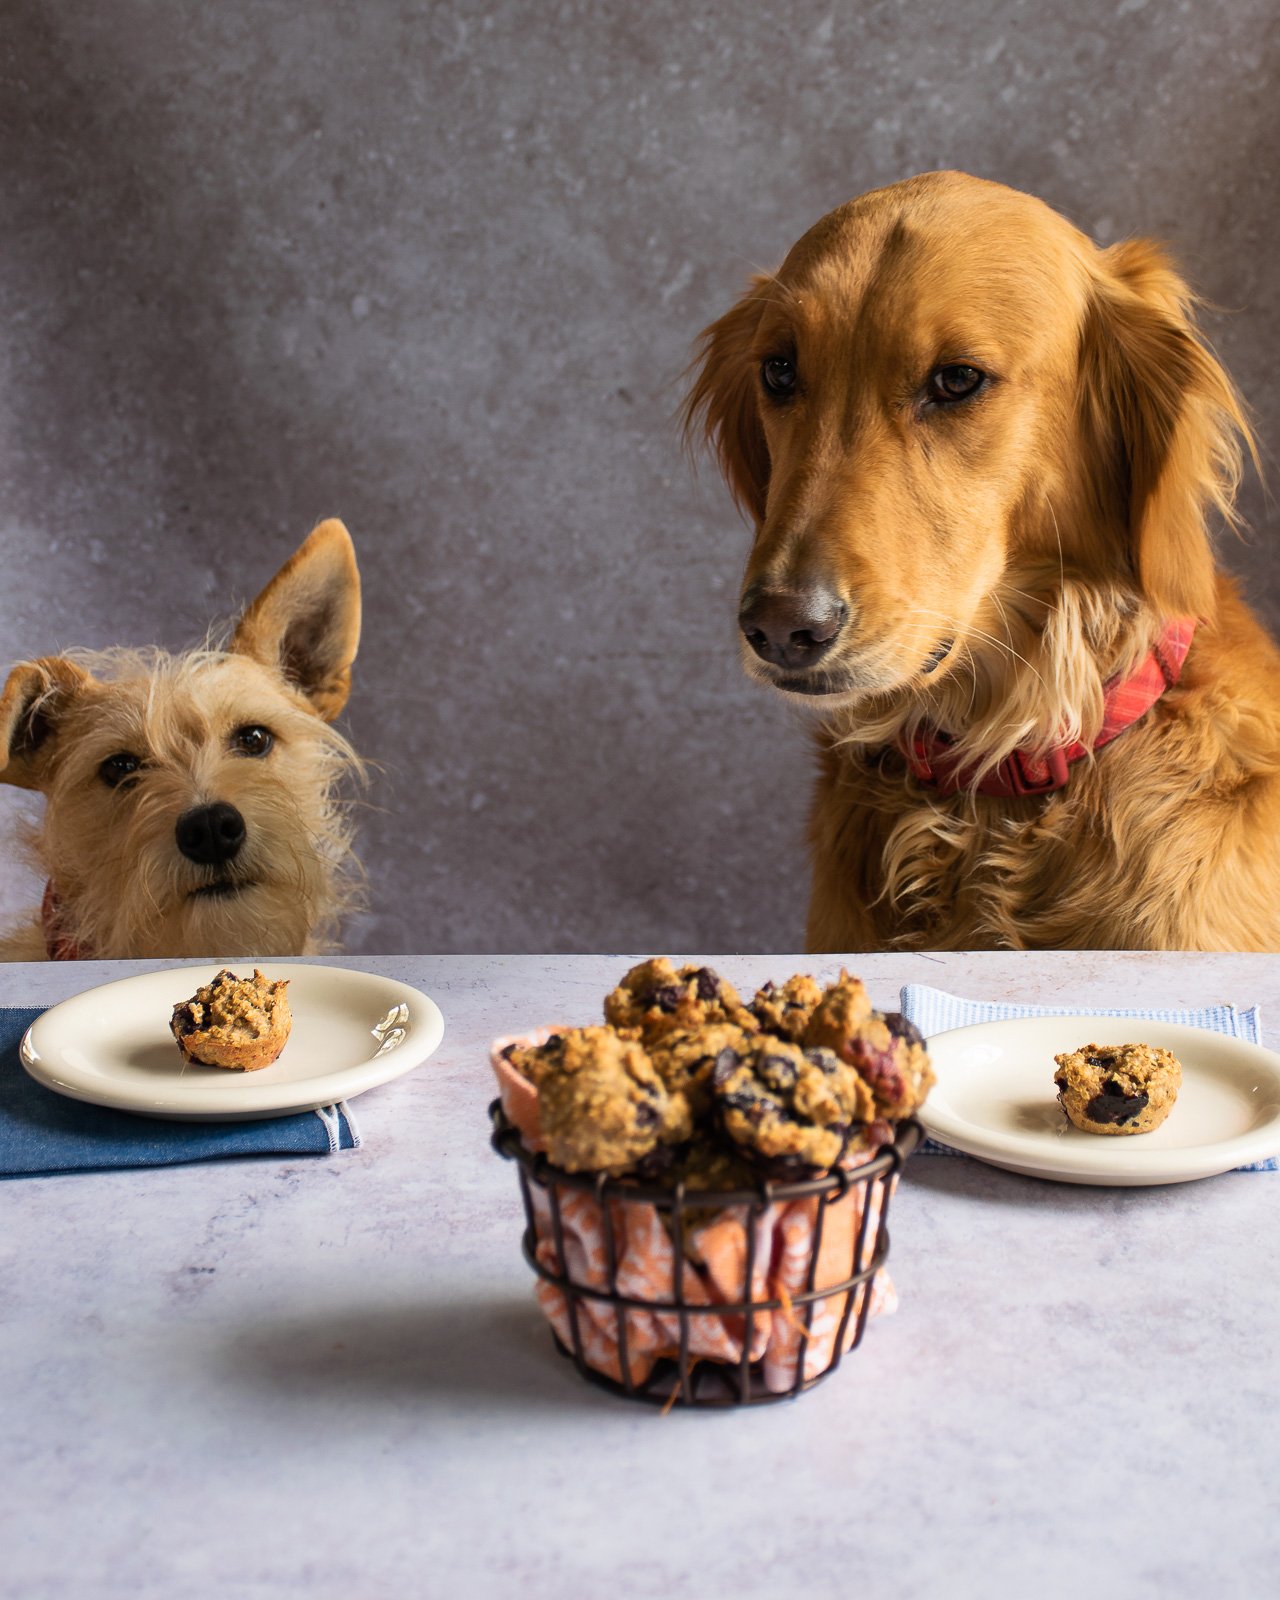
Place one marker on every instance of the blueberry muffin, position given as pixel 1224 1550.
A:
pixel 686 1058
pixel 709 1163
pixel 841 1007
pixel 239 1023
pixel 1117 1088
pixel 788 1110
pixel 603 1107
pixel 785 1011
pixel 885 1049
pixel 656 998
pixel 529 1060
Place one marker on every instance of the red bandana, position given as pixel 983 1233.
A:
pixel 58 944
pixel 1124 701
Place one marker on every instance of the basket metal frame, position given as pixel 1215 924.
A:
pixel 702 1382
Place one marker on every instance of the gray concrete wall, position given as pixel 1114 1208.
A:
pixel 436 269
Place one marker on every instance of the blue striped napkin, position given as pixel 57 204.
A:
pixel 934 1011
pixel 42 1132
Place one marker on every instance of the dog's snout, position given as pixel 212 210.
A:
pixel 210 835
pixel 792 628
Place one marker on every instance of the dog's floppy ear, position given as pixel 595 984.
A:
pixel 35 699
pixel 306 622
pixel 1162 421
pixel 722 407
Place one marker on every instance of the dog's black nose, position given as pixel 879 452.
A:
pixel 791 628
pixel 210 835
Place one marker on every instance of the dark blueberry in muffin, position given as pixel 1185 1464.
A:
pixel 902 1028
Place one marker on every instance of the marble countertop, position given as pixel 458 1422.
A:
pixel 328 1377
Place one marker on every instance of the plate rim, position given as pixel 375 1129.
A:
pixel 266 1099
pixel 1127 1166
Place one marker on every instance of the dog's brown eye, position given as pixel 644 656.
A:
pixel 253 741
pixel 115 769
pixel 778 374
pixel 954 383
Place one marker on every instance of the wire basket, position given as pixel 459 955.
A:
pixel 642 1308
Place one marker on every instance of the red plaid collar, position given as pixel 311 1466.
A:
pixel 58 943
pixel 1125 700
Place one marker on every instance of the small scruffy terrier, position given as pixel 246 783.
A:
pixel 192 803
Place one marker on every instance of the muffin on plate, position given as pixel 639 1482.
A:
pixel 239 1023
pixel 1117 1088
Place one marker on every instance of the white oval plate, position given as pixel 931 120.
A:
pixel 112 1046
pixel 995 1099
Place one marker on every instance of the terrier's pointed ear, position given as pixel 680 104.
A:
pixel 306 622
pixel 35 699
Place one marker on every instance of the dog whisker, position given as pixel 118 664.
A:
pixel 769 276
pixel 1001 644
pixel 1057 534
pixel 1006 588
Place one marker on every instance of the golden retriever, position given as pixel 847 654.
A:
pixel 981 456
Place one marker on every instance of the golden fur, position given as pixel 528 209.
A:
pixel 1048 525
pixel 125 888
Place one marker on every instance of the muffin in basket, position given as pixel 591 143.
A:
pixel 705 1189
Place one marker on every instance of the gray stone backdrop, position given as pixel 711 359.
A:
pixel 436 269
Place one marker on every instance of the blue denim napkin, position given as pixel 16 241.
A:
pixel 934 1011
pixel 43 1132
